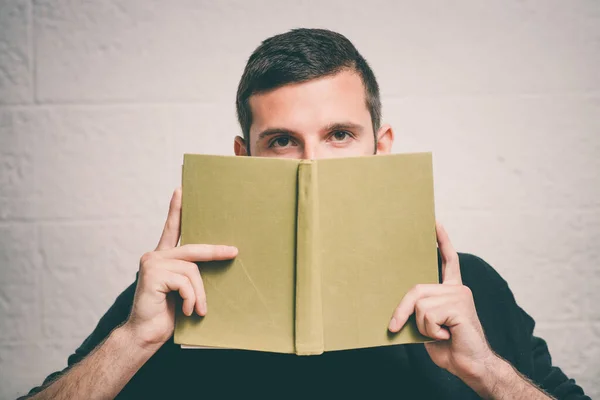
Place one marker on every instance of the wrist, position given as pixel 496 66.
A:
pixel 495 377
pixel 130 336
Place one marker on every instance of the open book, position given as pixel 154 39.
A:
pixel 327 249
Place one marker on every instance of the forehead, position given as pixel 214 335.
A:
pixel 308 106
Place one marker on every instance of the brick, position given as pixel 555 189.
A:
pixel 19 283
pixel 86 265
pixel 16 168
pixel 111 51
pixel 469 47
pixel 16 83
pixel 504 152
pixel 90 162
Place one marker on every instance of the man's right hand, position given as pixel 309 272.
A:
pixel 170 269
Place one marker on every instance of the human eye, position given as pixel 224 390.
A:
pixel 341 136
pixel 280 142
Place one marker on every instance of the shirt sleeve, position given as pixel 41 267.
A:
pixel 546 375
pixel 114 317
pixel 528 354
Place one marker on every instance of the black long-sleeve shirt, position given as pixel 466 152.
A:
pixel 400 371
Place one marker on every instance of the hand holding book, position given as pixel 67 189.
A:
pixel 169 269
pixel 446 312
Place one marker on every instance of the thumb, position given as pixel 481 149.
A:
pixel 170 234
pixel 450 261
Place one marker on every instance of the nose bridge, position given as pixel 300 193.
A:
pixel 309 153
pixel 310 149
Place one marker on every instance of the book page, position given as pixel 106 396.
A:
pixel 250 203
pixel 377 240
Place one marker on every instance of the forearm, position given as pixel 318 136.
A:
pixel 104 372
pixel 503 382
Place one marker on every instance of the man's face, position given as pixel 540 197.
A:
pixel 321 118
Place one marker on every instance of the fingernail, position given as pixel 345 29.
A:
pixel 203 308
pixel 392 325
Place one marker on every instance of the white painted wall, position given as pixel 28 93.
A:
pixel 98 101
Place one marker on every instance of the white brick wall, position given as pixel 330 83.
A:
pixel 98 101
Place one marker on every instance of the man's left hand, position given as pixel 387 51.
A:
pixel 446 312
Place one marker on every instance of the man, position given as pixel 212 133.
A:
pixel 310 94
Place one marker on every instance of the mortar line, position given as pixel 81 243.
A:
pixel 32 53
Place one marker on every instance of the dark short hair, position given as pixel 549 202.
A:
pixel 298 56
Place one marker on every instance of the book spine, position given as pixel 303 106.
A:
pixel 309 309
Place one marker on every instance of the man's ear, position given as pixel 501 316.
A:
pixel 385 139
pixel 239 146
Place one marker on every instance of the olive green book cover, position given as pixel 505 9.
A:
pixel 327 249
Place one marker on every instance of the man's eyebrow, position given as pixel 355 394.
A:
pixel 275 131
pixel 344 126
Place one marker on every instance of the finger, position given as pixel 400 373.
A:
pixel 190 270
pixel 172 282
pixel 427 315
pixel 450 262
pixel 170 234
pixel 200 252
pixel 407 305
